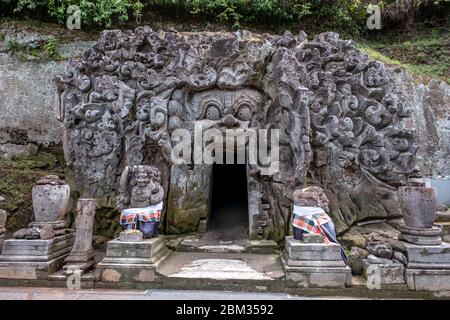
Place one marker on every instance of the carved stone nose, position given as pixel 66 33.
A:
pixel 229 121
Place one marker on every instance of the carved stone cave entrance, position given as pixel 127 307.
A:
pixel 228 218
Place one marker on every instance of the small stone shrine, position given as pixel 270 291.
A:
pixel 40 249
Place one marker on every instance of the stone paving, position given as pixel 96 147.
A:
pixel 13 293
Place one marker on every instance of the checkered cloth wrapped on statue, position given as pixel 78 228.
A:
pixel 136 215
pixel 310 219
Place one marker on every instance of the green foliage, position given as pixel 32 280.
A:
pixel 47 50
pixel 425 53
pixel 346 16
pixel 17 179
pixel 93 12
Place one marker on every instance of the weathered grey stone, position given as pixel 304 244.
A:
pixel 298 86
pixel 36 250
pixel 433 254
pixel 372 259
pixel 20 234
pixel 355 259
pixel 315 265
pixel 429 101
pixel 420 240
pixel 298 250
pixel 418 206
pixel 132 261
pixel 133 236
pixel 392 273
pixel 445 230
pixel 399 256
pixel 12 151
pixel 82 254
pixel 319 277
pixel 312 238
pixel 426 279
pixel 50 199
pixel 34 259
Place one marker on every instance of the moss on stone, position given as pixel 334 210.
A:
pixel 18 177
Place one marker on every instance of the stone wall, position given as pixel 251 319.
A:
pixel 28 118
pixel 27 92
pixel 430 104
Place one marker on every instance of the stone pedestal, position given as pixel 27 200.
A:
pixel 34 259
pixel 428 267
pixel 132 261
pixel 385 271
pixel 315 264
pixel 82 255
pixel 420 236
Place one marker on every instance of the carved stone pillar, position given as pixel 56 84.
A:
pixel 82 255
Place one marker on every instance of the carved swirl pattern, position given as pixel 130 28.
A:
pixel 339 115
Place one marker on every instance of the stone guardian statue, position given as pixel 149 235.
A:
pixel 140 201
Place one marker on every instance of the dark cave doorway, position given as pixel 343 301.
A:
pixel 229 202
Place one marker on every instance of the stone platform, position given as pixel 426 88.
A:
pixel 34 259
pixel 199 244
pixel 132 261
pixel 315 265
pixel 386 273
pixel 222 267
pixel 428 267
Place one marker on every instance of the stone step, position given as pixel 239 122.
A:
pixel 219 266
pixel 237 246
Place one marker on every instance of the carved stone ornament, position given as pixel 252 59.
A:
pixel 339 116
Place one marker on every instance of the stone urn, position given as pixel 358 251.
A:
pixel 418 205
pixel 50 199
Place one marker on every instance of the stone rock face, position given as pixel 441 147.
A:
pixel 430 118
pixel 356 259
pixel 132 90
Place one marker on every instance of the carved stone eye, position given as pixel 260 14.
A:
pixel 244 112
pixel 212 112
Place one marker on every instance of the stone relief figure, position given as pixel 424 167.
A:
pixel 140 199
pixel 310 216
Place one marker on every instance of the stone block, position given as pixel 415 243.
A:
pixel 433 255
pixel 314 265
pixel 312 238
pixel 132 261
pixel 22 250
pixel 318 277
pixel 133 236
pixel 34 259
pixel 426 279
pixel 298 250
pixel 393 273
pixel 127 273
